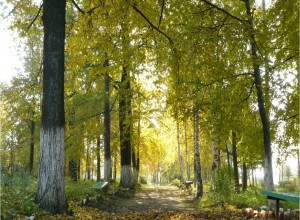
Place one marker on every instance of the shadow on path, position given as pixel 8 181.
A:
pixel 154 197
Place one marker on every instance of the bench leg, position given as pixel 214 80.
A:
pixel 277 210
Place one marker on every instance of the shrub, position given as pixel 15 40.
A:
pixel 224 186
pixel 176 182
pixel 76 191
pixel 143 180
pixel 18 192
pixel 290 185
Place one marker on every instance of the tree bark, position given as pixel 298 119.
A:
pixel 98 159
pixel 235 163
pixel 51 180
pixel 125 129
pixel 73 169
pixel 179 153
pixel 216 158
pixel 107 156
pixel 245 177
pixel 186 152
pixel 32 130
pixel 268 170
pixel 198 174
pixel 228 161
pixel 88 163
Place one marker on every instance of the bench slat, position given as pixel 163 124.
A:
pixel 282 196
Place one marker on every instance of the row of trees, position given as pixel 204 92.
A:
pixel 149 81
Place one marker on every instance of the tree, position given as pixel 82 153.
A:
pixel 107 161
pixel 51 180
pixel 235 163
pixel 125 129
pixel 198 174
pixel 268 178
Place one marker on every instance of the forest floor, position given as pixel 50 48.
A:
pixel 153 202
pixel 154 197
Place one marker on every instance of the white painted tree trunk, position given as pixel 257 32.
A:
pixel 107 169
pixel 198 174
pixel 126 176
pixel 216 158
pixel 51 178
pixel 134 176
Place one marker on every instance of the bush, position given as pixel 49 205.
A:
pixel 289 185
pixel 18 193
pixel 143 180
pixel 76 191
pixel 224 186
pixel 176 182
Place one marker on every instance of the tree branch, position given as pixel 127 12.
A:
pixel 11 12
pixel 248 96
pixel 82 11
pixel 151 24
pixel 161 13
pixel 223 10
pixel 283 62
pixel 77 7
pixel 36 16
pixel 292 116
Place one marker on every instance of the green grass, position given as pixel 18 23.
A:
pixel 250 198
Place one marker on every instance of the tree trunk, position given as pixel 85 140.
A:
pixel 125 129
pixel 198 174
pixel 186 152
pixel 216 158
pixel 179 153
pixel 88 163
pixel 228 162
pixel 78 170
pixel 134 168
pixel 245 177
pixel 51 180
pixel 235 163
pixel 73 170
pixel 107 161
pixel 32 129
pixel 268 170
pixel 98 159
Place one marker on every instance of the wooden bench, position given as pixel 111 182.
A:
pixel 100 186
pixel 280 196
pixel 186 185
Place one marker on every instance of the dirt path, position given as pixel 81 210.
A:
pixel 152 203
pixel 156 198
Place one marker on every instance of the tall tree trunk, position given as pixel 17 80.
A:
pixel 235 163
pixel 98 159
pixel 245 177
pixel 134 168
pixel 32 129
pixel 115 166
pixel 138 149
pixel 186 152
pixel 107 160
pixel 51 180
pixel 268 170
pixel 228 162
pixel 216 157
pixel 125 129
pixel 73 169
pixel 179 153
pixel 78 170
pixel 198 174
pixel 88 163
